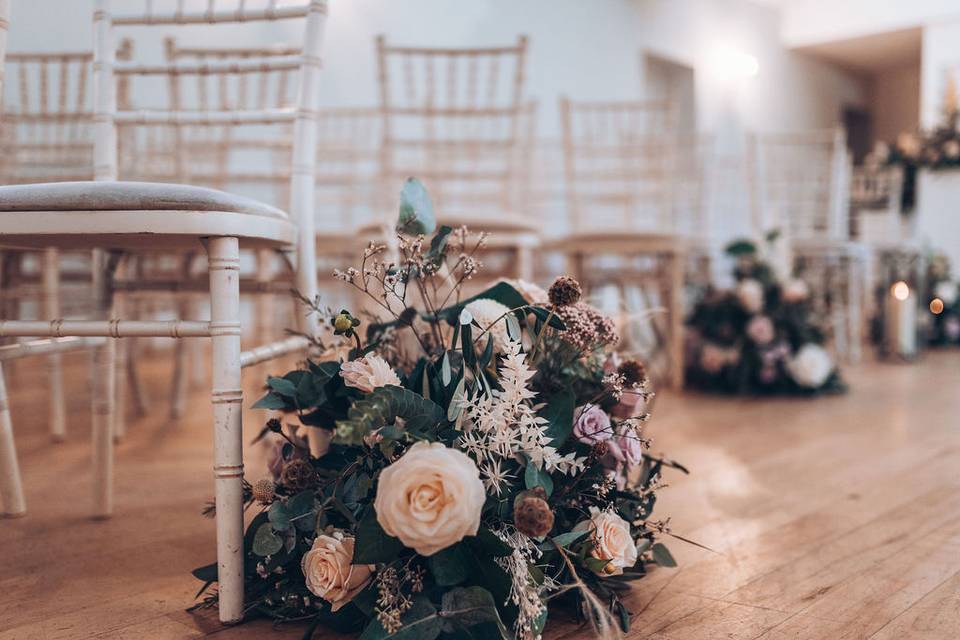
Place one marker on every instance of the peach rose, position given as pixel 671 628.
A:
pixel 611 541
pixel 430 498
pixel 329 572
pixel 750 294
pixel 368 373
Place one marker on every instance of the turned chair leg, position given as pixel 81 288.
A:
pixel 103 387
pixel 677 263
pixel 11 487
pixel 51 309
pixel 227 398
pixel 181 366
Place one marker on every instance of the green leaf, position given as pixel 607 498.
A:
pixel 469 606
pixel 416 209
pixel 741 247
pixel 500 292
pixel 300 509
pixel 772 235
pixel 266 542
pixel 487 354
pixel 282 386
pixel 445 374
pixel 534 477
pixel 383 406
pixel 449 566
pixel 420 622
pixel 662 556
pixel 544 314
pixel 271 401
pixel 373 544
pixel 487 542
pixel 513 327
pixel 559 413
pixel 566 539
pixel 279 516
pixel 595 564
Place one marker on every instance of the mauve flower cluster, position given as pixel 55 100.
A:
pixel 587 328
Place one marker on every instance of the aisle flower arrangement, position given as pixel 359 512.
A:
pixel 759 337
pixel 943 304
pixel 470 462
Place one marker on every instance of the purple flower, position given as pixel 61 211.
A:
pixel 760 330
pixel 626 447
pixel 591 424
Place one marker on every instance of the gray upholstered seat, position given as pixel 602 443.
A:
pixel 134 215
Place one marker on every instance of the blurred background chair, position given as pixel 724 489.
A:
pixel 621 168
pixel 458 120
pixel 800 186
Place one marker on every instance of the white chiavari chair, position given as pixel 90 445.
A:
pixel 800 184
pixel 623 226
pixel 457 119
pixel 118 217
pixel 46 135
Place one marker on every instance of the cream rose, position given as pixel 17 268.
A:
pixel 368 373
pixel 491 316
pixel 811 366
pixel 329 573
pixel 430 498
pixel 750 294
pixel 611 541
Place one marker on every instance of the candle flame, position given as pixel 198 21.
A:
pixel 900 290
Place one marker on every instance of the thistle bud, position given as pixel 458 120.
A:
pixel 298 475
pixel 564 292
pixel 531 513
pixel 263 491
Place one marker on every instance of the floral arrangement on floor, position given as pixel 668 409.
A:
pixel 759 337
pixel 450 466
pixel 943 304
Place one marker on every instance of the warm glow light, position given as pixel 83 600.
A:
pixel 936 306
pixel 900 290
pixel 730 63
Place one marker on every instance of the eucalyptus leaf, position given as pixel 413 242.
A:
pixel 266 542
pixel 534 477
pixel 566 539
pixel 271 401
pixel 469 606
pixel 448 566
pixel 279 516
pixel 416 209
pixel 373 544
pixel 282 386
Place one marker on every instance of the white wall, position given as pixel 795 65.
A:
pixel 941 55
pixel 587 50
pixel 809 22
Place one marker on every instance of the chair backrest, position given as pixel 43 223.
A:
pixel 621 165
pixel 453 118
pixel 46 126
pixel 799 183
pixel 197 109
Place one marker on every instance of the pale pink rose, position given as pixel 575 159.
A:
pixel 750 294
pixel 330 573
pixel 431 498
pixel 591 424
pixel 951 327
pixel 612 541
pixel 760 330
pixel 368 373
pixel 626 447
pixel 795 290
pixel 714 358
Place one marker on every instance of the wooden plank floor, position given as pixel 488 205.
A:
pixel 832 519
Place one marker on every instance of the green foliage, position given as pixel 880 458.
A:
pixel 383 406
pixel 741 247
pixel 416 209
pixel 373 544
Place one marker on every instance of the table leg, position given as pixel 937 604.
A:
pixel 677 261
pixel 227 397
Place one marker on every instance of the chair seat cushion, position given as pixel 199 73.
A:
pixel 140 216
pixel 127 196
